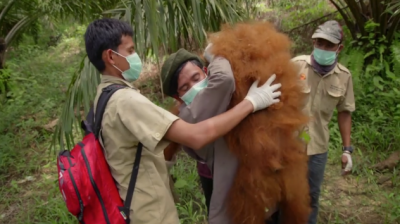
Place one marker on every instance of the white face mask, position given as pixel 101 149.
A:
pixel 135 67
pixel 192 92
pixel 323 57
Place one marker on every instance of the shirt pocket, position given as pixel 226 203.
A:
pixel 306 90
pixel 330 101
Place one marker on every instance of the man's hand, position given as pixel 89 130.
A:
pixel 347 163
pixel 265 95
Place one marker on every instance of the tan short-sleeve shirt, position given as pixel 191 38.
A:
pixel 325 93
pixel 130 118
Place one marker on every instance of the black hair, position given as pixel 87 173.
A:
pixel 104 34
pixel 174 79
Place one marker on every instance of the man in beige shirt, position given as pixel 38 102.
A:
pixel 328 85
pixel 130 118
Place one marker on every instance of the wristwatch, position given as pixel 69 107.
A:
pixel 348 148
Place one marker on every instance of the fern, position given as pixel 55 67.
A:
pixel 5 81
pixel 395 53
pixel 354 61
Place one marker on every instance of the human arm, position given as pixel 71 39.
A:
pixel 215 98
pixel 345 107
pixel 150 123
pixel 196 136
pixel 344 121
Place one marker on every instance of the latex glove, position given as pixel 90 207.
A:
pixel 347 163
pixel 207 55
pixel 265 95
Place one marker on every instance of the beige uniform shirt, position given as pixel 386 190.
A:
pixel 129 118
pixel 325 93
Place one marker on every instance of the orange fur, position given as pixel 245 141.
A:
pixel 272 159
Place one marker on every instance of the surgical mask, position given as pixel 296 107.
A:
pixel 189 95
pixel 135 67
pixel 323 57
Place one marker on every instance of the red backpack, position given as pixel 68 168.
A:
pixel 84 177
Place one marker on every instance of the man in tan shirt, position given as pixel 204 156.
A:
pixel 328 85
pixel 130 118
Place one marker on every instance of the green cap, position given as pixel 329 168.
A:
pixel 173 62
pixel 330 31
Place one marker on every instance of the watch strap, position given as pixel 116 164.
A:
pixel 347 148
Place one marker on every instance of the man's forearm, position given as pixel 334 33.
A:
pixel 223 123
pixel 198 135
pixel 344 120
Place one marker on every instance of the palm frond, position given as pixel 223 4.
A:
pixel 160 27
pixel 81 91
pixel 6 9
pixel 24 22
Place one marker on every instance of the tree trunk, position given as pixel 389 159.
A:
pixel 2 52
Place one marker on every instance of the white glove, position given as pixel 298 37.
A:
pixel 207 55
pixel 265 95
pixel 347 163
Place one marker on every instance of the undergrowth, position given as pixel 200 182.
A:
pixel 376 121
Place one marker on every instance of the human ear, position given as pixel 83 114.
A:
pixel 340 48
pixel 205 70
pixel 108 57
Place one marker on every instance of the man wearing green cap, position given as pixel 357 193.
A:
pixel 328 85
pixel 130 118
pixel 204 95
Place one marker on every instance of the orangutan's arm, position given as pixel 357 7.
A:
pixel 196 136
pixel 171 150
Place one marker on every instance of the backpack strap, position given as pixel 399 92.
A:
pixel 106 94
pixel 98 118
pixel 132 182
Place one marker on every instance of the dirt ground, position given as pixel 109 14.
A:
pixel 352 199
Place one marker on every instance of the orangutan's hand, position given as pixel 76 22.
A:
pixel 347 163
pixel 171 163
pixel 265 95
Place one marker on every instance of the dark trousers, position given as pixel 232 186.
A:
pixel 316 169
pixel 207 185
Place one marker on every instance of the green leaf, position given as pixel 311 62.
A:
pixel 180 183
pixel 305 137
pixel 377 80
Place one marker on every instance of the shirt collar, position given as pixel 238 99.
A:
pixel 115 80
pixel 335 70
